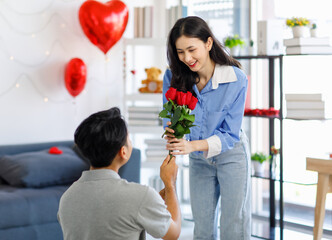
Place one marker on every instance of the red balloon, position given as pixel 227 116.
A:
pixel 75 76
pixel 103 23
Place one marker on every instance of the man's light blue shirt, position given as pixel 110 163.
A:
pixel 219 110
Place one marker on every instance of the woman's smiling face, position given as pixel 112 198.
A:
pixel 193 52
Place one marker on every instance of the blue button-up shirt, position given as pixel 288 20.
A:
pixel 219 110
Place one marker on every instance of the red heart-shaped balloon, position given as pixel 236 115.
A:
pixel 55 150
pixel 75 76
pixel 103 23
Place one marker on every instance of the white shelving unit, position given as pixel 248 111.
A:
pixel 138 54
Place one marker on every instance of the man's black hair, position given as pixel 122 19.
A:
pixel 101 136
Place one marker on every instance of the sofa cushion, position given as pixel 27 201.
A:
pixel 29 206
pixel 41 169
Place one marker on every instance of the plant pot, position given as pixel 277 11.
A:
pixel 298 31
pixel 235 51
pixel 258 168
pixel 313 32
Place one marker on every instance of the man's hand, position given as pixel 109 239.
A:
pixel 162 193
pixel 168 172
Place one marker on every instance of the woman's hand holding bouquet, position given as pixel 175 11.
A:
pixel 178 109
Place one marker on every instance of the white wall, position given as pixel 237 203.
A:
pixel 37 39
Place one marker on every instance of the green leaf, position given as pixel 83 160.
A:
pixel 191 118
pixel 186 130
pixel 180 136
pixel 176 116
pixel 168 106
pixel 163 113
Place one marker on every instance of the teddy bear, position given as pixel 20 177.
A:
pixel 152 84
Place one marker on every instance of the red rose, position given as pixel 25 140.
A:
pixel 192 103
pixel 180 98
pixel 171 94
pixel 188 98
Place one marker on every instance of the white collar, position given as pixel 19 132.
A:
pixel 223 74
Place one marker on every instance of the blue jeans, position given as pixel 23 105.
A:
pixel 225 176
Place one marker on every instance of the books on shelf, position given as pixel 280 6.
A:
pixel 307 106
pixel 304 97
pixel 309 50
pixel 172 15
pixel 156 149
pixel 144 116
pixel 144 109
pixel 308 41
pixel 156 152
pixel 308 114
pixel 143 21
pixel 144 122
pixel 155 142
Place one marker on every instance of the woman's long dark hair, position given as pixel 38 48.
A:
pixel 194 27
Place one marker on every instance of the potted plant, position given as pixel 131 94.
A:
pixel 297 24
pixel 234 43
pixel 258 160
pixel 252 50
pixel 313 30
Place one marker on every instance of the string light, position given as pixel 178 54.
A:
pixel 37 12
pixel 55 15
pixel 31 13
pixel 48 19
pixel 47 99
pixel 47 53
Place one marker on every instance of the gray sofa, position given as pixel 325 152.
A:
pixel 29 200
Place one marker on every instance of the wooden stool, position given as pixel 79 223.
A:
pixel 324 186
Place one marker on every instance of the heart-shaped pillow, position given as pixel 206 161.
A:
pixel 55 150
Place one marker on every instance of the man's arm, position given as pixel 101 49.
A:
pixel 168 173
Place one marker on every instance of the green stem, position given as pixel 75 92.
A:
pixel 170 155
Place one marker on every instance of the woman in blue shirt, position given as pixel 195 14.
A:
pixel 218 149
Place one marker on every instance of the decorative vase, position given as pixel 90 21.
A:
pixel 313 32
pixel 235 51
pixel 273 166
pixel 258 168
pixel 298 31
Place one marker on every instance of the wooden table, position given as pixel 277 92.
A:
pixel 324 186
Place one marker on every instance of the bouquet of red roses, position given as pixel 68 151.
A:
pixel 178 109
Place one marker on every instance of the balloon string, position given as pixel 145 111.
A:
pixel 107 95
pixel 75 109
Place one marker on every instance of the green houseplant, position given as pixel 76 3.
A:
pixel 234 43
pixel 258 159
pixel 313 30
